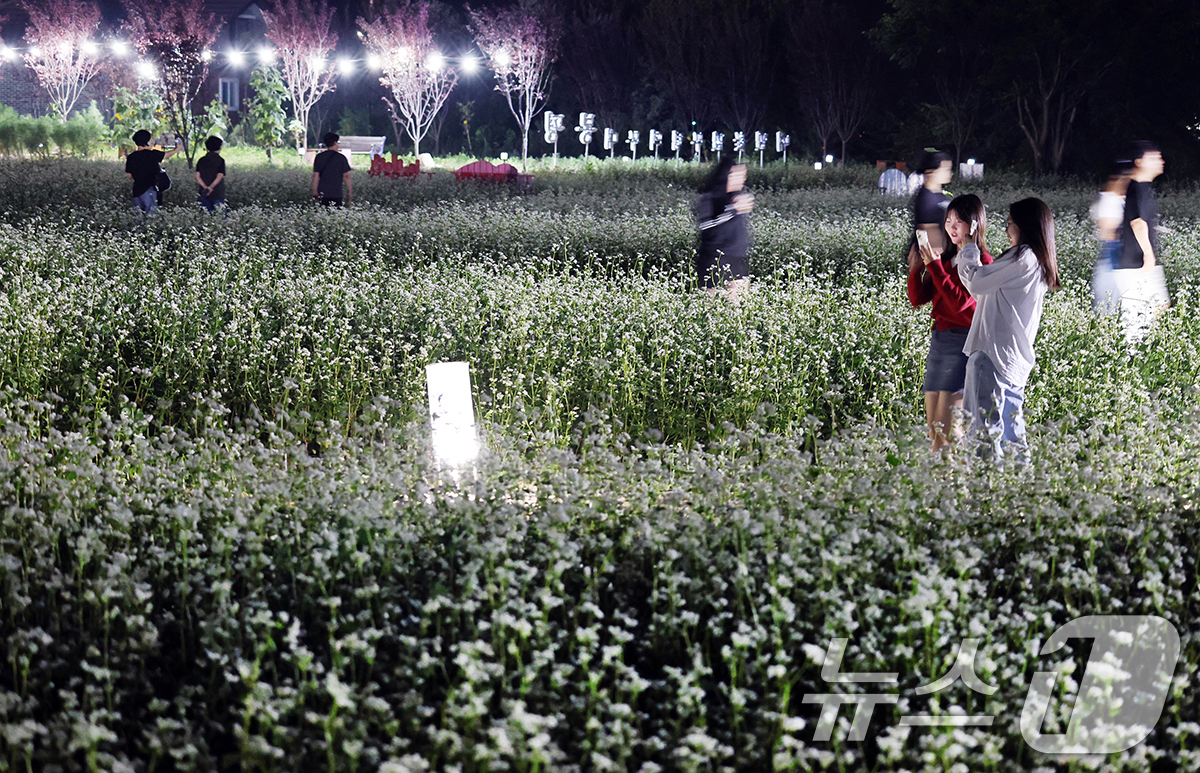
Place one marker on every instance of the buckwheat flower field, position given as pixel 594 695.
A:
pixel 224 547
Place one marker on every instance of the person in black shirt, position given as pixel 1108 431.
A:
pixel 930 203
pixel 210 175
pixel 724 237
pixel 143 166
pixel 1139 277
pixel 1139 227
pixel 330 170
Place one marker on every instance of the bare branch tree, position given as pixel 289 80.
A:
pixel 302 31
pixel 62 51
pixel 832 64
pixel 174 37
pixel 520 46
pixel 414 69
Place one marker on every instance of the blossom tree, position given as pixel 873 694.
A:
pixel 302 32
pixel 520 45
pixel 174 38
pixel 413 68
pixel 61 50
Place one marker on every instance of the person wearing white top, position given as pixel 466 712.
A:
pixel 1107 212
pixel 999 348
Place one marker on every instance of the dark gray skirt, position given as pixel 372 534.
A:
pixel 946 365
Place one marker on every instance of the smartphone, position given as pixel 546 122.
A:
pixel 922 239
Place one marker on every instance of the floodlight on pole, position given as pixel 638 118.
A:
pixel 119 48
pixel 435 62
pixel 235 58
pixel 611 138
pixel 469 64
pixel 346 66
pixel 697 146
pixel 146 70
pixel 34 51
pixel 781 144
pixel 90 48
pixel 676 144
pixel 718 142
pixel 760 144
pixel 829 158
pixel 552 125
pixel 632 140
pixel 586 128
pixel 501 58
pixel 739 144
pixel 266 55
pixel 655 141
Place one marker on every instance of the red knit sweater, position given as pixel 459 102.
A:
pixel 953 306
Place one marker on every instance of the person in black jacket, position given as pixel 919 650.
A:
pixel 724 237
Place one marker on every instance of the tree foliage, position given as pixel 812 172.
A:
pixel 62 51
pixel 174 37
pixel 414 70
pixel 302 31
pixel 1043 60
pixel 268 120
pixel 520 45
pixel 833 70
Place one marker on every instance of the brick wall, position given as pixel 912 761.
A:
pixel 20 90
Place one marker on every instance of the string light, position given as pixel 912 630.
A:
pixel 436 61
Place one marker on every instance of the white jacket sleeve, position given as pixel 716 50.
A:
pixel 1011 268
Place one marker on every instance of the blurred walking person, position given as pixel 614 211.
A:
pixel 1009 294
pixel 1139 274
pixel 934 279
pixel 1107 212
pixel 724 235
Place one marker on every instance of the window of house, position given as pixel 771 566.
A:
pixel 229 94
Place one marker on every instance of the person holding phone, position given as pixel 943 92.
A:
pixel 930 202
pixel 143 166
pixel 999 348
pixel 936 282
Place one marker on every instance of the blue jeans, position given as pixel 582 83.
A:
pixel 211 204
pixel 994 411
pixel 147 202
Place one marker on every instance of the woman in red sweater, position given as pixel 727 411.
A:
pixel 933 278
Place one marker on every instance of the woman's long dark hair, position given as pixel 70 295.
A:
pixel 718 179
pixel 1035 221
pixel 969 209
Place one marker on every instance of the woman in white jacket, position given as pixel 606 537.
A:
pixel 999 347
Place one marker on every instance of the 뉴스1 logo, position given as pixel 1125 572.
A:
pixel 1120 698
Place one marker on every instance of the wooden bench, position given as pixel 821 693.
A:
pixel 355 144
pixel 484 170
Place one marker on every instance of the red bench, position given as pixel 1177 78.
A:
pixel 395 168
pixel 483 170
